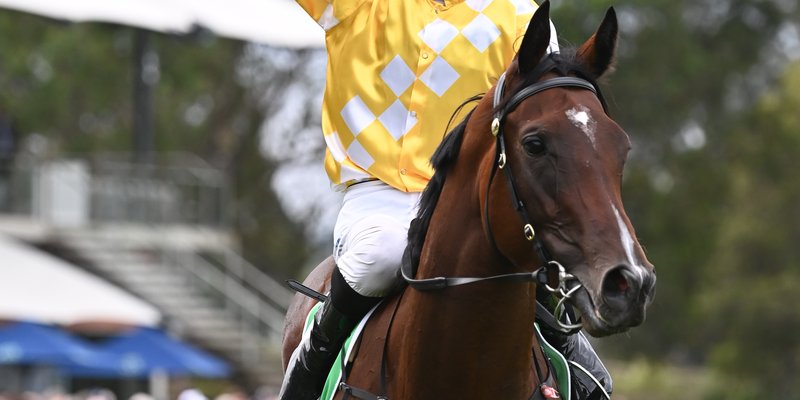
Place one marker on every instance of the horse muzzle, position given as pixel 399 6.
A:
pixel 618 302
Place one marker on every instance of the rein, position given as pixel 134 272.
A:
pixel 541 275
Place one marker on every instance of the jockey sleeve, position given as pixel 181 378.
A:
pixel 397 70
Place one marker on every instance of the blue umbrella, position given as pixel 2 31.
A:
pixel 32 343
pixel 145 350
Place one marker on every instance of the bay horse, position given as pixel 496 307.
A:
pixel 539 150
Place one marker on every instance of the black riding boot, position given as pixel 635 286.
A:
pixel 590 381
pixel 312 360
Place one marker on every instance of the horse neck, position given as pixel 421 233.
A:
pixel 483 330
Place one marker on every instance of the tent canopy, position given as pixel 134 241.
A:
pixel 39 287
pixel 138 353
pixel 143 351
pixel 275 22
pixel 31 343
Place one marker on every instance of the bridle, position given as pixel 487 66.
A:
pixel 567 284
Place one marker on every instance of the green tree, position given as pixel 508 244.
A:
pixel 756 260
pixel 683 68
pixel 73 85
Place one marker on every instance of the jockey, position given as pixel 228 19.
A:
pixel 396 72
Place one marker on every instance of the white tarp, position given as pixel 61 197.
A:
pixel 274 22
pixel 36 286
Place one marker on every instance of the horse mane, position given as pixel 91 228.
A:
pixel 445 155
pixel 443 158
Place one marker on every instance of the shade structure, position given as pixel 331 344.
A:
pixel 29 343
pixel 36 286
pixel 274 22
pixel 140 13
pixel 145 351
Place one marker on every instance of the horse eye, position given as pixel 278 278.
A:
pixel 534 145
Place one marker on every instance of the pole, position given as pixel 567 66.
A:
pixel 145 76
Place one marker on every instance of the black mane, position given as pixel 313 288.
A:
pixel 447 152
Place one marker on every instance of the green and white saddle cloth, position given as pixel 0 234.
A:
pixel 335 374
pixel 559 365
pixel 557 361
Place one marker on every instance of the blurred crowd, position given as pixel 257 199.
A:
pixel 264 393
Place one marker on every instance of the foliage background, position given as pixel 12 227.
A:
pixel 709 91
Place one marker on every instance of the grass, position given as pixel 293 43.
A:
pixel 646 380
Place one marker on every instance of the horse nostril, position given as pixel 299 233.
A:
pixel 619 281
pixel 622 283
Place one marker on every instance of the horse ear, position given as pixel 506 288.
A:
pixel 597 54
pixel 536 40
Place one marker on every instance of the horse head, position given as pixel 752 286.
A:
pixel 566 157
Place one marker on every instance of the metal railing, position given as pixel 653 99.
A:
pixel 239 295
pixel 180 192
pixel 106 189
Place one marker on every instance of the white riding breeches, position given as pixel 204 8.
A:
pixel 371 234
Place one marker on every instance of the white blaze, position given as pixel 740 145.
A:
pixel 627 242
pixel 625 236
pixel 582 119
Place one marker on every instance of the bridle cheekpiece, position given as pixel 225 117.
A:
pixel 541 276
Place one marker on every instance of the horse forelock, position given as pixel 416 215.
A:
pixel 564 63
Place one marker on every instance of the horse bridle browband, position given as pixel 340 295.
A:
pixel 540 275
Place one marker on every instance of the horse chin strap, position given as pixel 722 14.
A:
pixel 567 284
